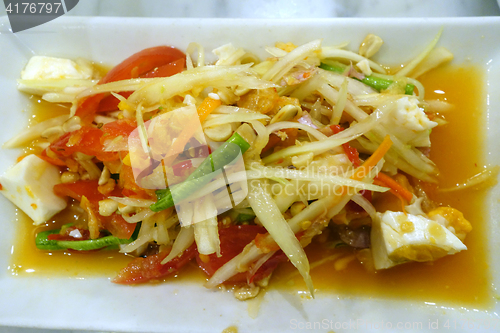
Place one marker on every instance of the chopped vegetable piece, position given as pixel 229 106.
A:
pixel 232 241
pixel 43 242
pixel 370 80
pixel 219 158
pixel 395 187
pixel 207 106
pixel 142 270
pixel 352 153
pixel 134 66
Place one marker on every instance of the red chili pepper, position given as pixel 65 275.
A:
pixel 351 152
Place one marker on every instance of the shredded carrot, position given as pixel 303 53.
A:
pixel 401 199
pixel 372 161
pixel 395 187
pixel 207 106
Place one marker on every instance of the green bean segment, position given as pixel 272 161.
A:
pixel 370 80
pixel 221 157
pixel 109 242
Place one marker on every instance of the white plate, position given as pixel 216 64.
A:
pixel 98 304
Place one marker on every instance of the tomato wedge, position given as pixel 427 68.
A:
pixel 142 62
pixel 167 70
pixel 354 207
pixel 129 186
pixel 142 270
pixel 51 160
pixel 118 227
pixel 122 127
pixel 134 66
pixel 232 241
pixel 110 102
pixel 90 140
pixel 76 190
pixel 86 140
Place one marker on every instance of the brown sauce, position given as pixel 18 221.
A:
pixel 459 279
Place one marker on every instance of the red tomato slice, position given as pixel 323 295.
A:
pixel 115 223
pixel 86 140
pixel 87 108
pixel 134 66
pixel 143 62
pixel 142 270
pixel 54 161
pixel 232 241
pixel 167 70
pixel 118 227
pixel 122 127
pixel 351 205
pixel 110 102
pixel 130 187
pixel 76 190
pixel 89 140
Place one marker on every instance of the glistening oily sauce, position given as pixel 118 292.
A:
pixel 462 278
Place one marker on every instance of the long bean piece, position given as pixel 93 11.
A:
pixel 222 156
pixel 43 243
pixel 370 80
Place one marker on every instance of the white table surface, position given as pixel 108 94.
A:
pixel 274 9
